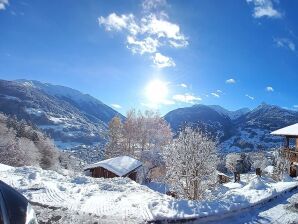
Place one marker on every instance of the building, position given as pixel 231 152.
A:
pixel 290 148
pixel 122 166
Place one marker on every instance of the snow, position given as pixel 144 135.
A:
pixel 10 97
pixel 120 165
pixel 123 200
pixel 291 130
pixel 159 187
pixel 282 210
pixel 4 167
pixel 34 111
pixel 269 169
pixel 56 120
pixel 256 183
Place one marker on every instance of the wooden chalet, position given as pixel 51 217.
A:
pixel 122 166
pixel 290 151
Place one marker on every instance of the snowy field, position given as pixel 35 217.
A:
pixel 79 199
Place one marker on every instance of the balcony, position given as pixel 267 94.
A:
pixel 291 155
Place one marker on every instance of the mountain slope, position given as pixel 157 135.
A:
pixel 231 114
pixel 90 106
pixel 203 117
pixel 68 116
pixel 254 128
pixel 249 131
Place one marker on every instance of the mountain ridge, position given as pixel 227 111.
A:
pixel 248 132
pixel 70 119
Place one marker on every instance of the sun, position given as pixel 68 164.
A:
pixel 156 91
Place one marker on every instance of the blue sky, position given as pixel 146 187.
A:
pixel 155 53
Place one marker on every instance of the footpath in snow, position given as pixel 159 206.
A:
pixel 120 199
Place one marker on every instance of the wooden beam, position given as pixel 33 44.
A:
pixel 287 143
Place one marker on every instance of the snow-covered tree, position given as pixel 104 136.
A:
pixel 232 161
pixel 191 163
pixel 21 144
pixel 240 163
pixel 260 161
pixel 282 164
pixel 48 153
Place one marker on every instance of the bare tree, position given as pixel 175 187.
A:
pixel 139 132
pixel 142 136
pixel 130 133
pixel 191 164
pixel 115 138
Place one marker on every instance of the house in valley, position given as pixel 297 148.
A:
pixel 290 148
pixel 121 166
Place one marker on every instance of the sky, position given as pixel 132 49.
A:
pixel 156 54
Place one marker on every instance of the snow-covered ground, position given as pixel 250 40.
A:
pixel 283 210
pixel 122 200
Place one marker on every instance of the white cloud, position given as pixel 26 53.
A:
pixel 264 8
pixel 285 43
pixel 153 4
pixel 250 97
pixel 3 4
pixel 230 81
pixel 186 98
pixel 183 85
pixel 295 106
pixel 116 106
pixel 215 95
pixel 162 61
pixel 148 33
pixel 147 45
pixel 117 23
pixel 269 89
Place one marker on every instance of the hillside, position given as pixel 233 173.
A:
pixel 68 116
pixel 249 131
pixel 202 117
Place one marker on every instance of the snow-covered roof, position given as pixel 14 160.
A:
pixel 291 130
pixel 120 165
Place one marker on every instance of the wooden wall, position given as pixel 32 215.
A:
pixel 102 172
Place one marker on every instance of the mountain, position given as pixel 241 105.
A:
pixel 231 114
pixel 242 131
pixel 203 117
pixel 68 116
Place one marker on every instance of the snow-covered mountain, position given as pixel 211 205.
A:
pixel 68 116
pixel 246 132
pixel 204 117
pixel 231 114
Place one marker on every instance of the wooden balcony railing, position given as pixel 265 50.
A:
pixel 291 154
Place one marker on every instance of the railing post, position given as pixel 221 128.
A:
pixel 287 142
